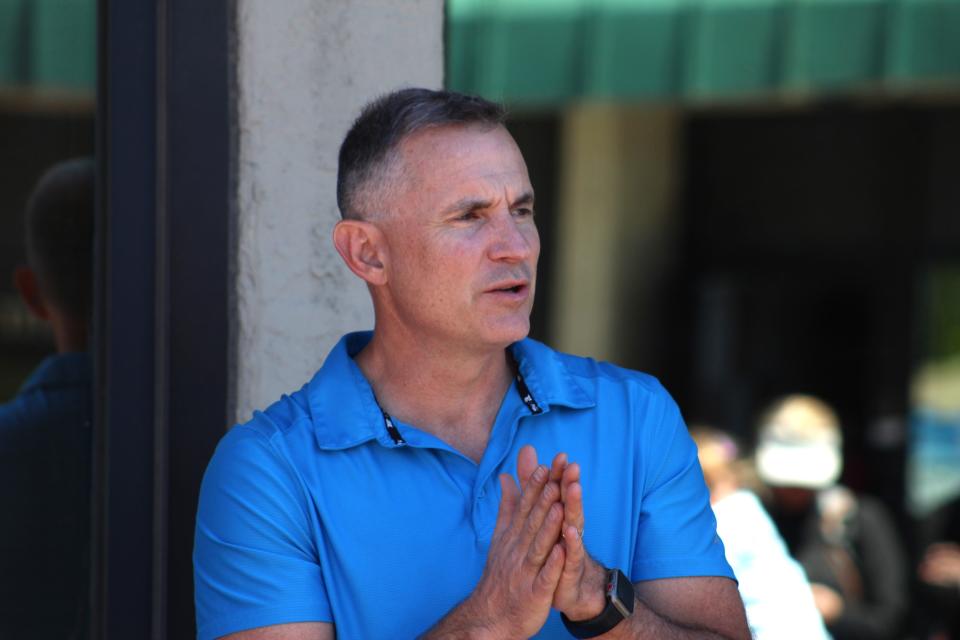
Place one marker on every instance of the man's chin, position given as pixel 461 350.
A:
pixel 506 334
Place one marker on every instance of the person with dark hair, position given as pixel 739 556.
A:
pixel 400 493
pixel 45 429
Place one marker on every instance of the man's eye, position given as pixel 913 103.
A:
pixel 524 211
pixel 469 215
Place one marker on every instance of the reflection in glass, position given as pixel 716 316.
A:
pixel 47 79
pixel 45 429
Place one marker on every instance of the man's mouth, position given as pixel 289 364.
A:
pixel 512 288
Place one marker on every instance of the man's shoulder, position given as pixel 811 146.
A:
pixel 267 449
pixel 586 367
pixel 280 420
pixel 588 370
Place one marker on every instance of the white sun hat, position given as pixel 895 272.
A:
pixel 799 444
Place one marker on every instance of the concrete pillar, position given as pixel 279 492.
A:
pixel 304 68
pixel 619 176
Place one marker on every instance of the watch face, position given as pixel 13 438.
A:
pixel 621 592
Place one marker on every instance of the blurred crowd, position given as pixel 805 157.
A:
pixel 815 559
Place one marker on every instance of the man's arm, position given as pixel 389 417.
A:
pixel 668 609
pixel 293 631
pixel 251 544
pixel 686 608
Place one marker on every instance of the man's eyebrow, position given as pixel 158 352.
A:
pixel 471 203
pixel 525 198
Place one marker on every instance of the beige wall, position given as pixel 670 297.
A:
pixel 304 68
pixel 619 174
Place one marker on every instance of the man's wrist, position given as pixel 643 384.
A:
pixel 482 623
pixel 593 598
pixel 486 621
pixel 619 601
pixel 467 620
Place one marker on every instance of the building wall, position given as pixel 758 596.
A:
pixel 617 229
pixel 304 69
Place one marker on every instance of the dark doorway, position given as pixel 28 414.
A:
pixel 805 232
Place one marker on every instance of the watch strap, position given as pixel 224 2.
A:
pixel 611 615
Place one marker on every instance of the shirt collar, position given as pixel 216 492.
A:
pixel 345 412
pixel 342 406
pixel 548 378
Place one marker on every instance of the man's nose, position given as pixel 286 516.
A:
pixel 514 239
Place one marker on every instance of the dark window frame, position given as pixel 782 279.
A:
pixel 164 147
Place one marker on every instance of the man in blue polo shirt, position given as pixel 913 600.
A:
pixel 444 476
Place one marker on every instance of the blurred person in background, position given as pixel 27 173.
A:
pixel 773 586
pixel 45 428
pixel 939 573
pixel 846 543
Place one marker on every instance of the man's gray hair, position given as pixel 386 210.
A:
pixel 384 123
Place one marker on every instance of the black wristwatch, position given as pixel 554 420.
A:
pixel 619 594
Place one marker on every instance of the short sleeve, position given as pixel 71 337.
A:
pixel 677 532
pixel 255 559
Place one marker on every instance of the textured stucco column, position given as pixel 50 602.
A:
pixel 619 175
pixel 304 68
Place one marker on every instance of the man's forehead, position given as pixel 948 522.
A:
pixel 438 168
pixel 443 143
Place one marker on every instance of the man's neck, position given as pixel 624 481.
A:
pixel 451 393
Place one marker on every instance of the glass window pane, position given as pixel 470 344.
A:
pixel 47 69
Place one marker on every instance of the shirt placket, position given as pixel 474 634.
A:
pixel 495 460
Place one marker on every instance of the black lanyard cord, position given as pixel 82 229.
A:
pixel 522 389
pixel 526 396
pixel 392 428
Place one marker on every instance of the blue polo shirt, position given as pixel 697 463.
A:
pixel 313 511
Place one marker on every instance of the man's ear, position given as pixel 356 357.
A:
pixel 362 247
pixel 27 285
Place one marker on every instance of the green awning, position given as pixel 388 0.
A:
pixel 550 51
pixel 48 44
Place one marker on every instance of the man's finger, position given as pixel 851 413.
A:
pixel 526 463
pixel 571 474
pixel 546 537
pixel 546 581
pixel 509 496
pixel 575 555
pixel 557 467
pixel 532 489
pixel 572 496
pixel 549 496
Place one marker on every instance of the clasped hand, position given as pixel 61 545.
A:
pixel 537 559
